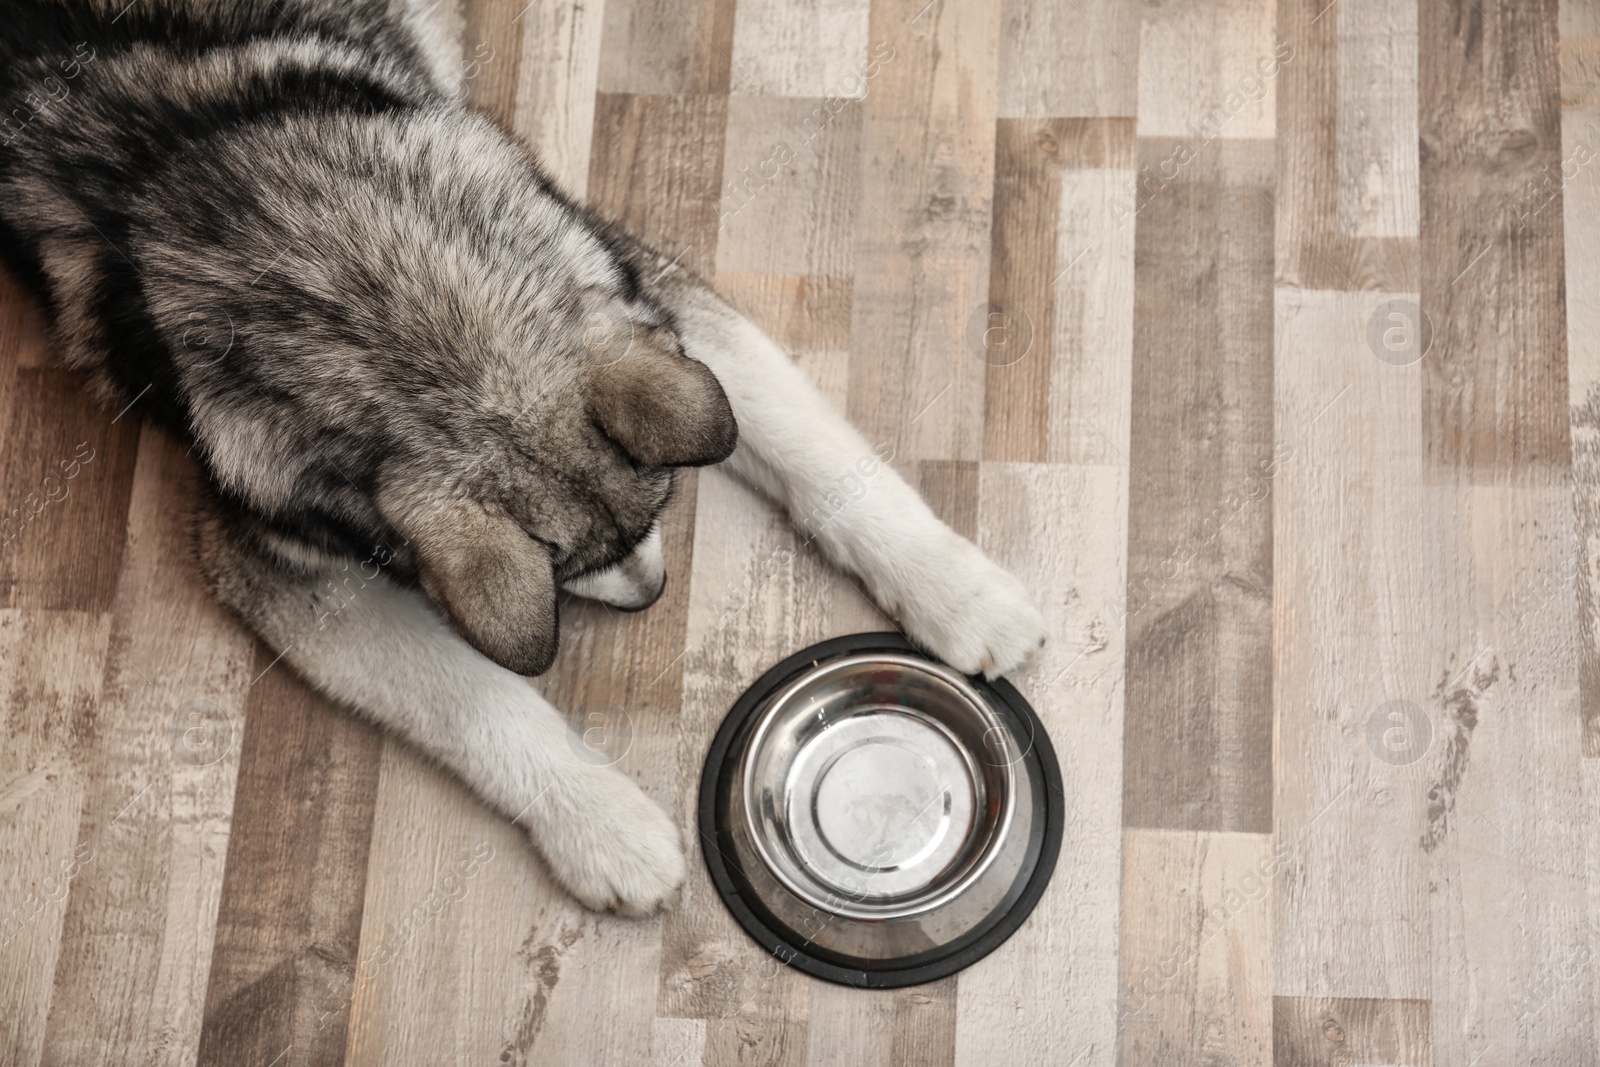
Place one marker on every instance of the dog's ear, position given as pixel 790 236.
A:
pixel 663 408
pixel 496 584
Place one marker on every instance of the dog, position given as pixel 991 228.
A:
pixel 274 227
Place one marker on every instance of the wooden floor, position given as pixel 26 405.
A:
pixel 1261 337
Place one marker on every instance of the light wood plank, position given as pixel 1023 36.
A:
pixel 1376 134
pixel 1581 956
pixel 1069 60
pixel 1312 251
pixel 787 206
pixel 1511 758
pixel 1206 69
pixel 51 665
pixel 1333 1031
pixel 1580 18
pixel 1360 621
pixel 1197 947
pixel 620 680
pixel 557 72
pixel 915 1025
pixel 1579 576
pixel 1062 530
pixel 667 46
pixel 450 883
pixel 677 1042
pixel 1459 900
pixel 814 48
pixel 1092 336
pixel 922 243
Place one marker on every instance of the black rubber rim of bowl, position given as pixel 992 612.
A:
pixel 730 882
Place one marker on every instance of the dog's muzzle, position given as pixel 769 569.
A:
pixel 632 584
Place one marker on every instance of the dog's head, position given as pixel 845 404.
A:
pixel 423 343
pixel 569 492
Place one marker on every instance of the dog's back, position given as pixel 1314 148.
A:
pixel 275 229
pixel 101 98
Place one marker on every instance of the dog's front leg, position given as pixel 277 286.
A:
pixel 947 595
pixel 385 652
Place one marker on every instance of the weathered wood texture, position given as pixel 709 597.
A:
pixel 1261 338
pixel 1489 100
pixel 1199 598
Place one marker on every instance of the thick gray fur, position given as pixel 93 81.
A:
pixel 274 227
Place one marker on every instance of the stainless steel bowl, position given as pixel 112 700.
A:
pixel 874 817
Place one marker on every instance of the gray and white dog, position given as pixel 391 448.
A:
pixel 272 226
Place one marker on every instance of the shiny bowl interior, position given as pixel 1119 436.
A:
pixel 878 786
pixel 876 818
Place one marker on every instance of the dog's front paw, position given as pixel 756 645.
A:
pixel 971 613
pixel 613 848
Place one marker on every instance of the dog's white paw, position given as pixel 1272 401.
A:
pixel 964 608
pixel 613 848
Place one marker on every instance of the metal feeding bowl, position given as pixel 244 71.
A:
pixel 875 818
